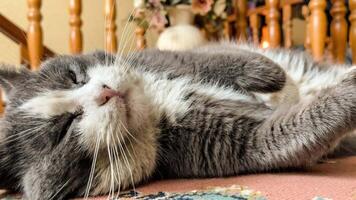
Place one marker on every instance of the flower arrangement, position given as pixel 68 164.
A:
pixel 209 14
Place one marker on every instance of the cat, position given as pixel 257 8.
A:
pixel 97 123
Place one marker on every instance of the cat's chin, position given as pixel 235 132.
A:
pixel 112 127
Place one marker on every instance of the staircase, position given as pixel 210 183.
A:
pixel 19 36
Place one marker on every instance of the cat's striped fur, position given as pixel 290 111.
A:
pixel 216 111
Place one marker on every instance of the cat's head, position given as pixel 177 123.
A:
pixel 105 103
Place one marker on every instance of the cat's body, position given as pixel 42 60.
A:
pixel 216 111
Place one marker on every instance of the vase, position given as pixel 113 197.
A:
pixel 182 34
pixel 180 14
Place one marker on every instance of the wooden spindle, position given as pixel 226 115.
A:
pixel 110 16
pixel 287 25
pixel 24 57
pixel 255 24
pixel 338 31
pixel 241 23
pixel 306 13
pixel 75 33
pixel 318 28
pixel 227 30
pixel 352 35
pixel 265 38
pixel 273 26
pixel 328 54
pixel 34 33
pixel 140 38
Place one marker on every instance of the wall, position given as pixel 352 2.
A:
pixel 56 29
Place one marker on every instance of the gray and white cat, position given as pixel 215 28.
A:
pixel 93 124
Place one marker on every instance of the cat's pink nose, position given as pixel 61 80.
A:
pixel 106 94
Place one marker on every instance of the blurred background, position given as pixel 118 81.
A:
pixel 325 29
pixel 55 24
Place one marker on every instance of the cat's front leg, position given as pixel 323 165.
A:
pixel 59 173
pixel 241 69
pixel 54 178
pixel 52 103
pixel 39 185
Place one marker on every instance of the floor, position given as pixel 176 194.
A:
pixel 334 179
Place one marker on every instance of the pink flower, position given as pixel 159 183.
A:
pixel 202 6
pixel 158 21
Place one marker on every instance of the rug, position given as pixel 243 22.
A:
pixel 233 192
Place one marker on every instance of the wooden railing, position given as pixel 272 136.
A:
pixel 75 22
pixel 19 36
pixel 31 42
pixel 275 12
pixel 316 40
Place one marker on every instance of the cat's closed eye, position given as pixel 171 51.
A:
pixel 76 79
pixel 73 77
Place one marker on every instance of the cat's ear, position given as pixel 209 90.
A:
pixel 10 76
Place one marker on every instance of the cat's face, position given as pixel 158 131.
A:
pixel 79 109
pixel 103 102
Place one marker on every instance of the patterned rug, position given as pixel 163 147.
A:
pixel 218 193
pixel 233 192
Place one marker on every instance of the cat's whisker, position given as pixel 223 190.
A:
pixel 128 138
pixel 116 159
pixel 23 134
pixel 128 132
pixel 134 156
pixel 61 188
pixel 127 163
pixel 92 170
pixel 112 175
pixel 131 40
pixel 124 36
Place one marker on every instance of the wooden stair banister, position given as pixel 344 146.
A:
pixel 19 36
pixel 318 28
pixel 271 11
pixel 75 23
pixel 110 26
pixel 272 21
pixel 241 17
pixel 34 33
pixel 338 30
pixel 352 31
